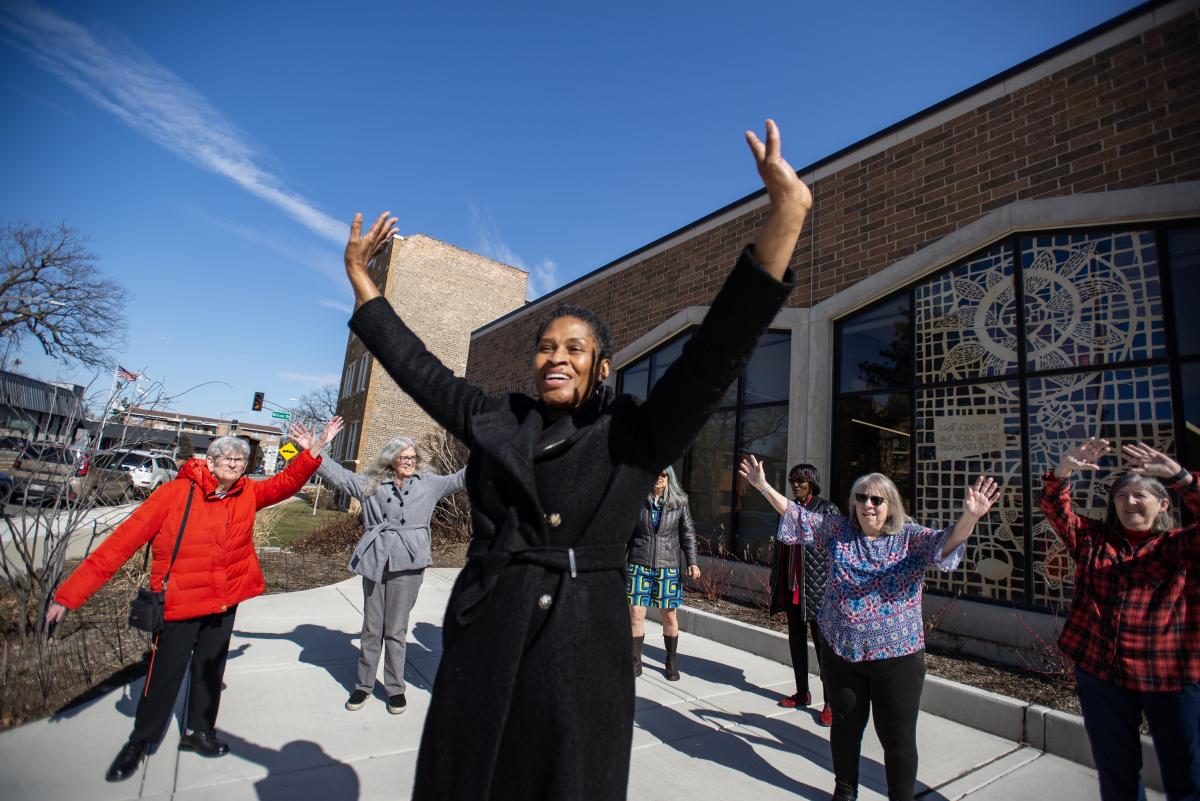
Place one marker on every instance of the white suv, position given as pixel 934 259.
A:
pixel 148 470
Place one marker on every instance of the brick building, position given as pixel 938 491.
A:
pixel 978 284
pixel 442 292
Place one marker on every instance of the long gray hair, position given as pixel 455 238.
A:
pixel 1163 521
pixel 381 469
pixel 673 495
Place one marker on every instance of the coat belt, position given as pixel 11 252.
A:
pixel 488 564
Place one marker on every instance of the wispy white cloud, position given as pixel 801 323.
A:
pixel 326 262
pixel 320 379
pixel 118 77
pixel 543 276
pixel 329 303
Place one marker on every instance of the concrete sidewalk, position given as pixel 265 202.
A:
pixel 717 734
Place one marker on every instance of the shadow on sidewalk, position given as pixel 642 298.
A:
pixel 300 771
pixel 327 648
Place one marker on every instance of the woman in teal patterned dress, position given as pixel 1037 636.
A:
pixel 664 528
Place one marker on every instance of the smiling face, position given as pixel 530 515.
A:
pixel 872 514
pixel 566 369
pixel 1137 507
pixel 227 468
pixel 405 463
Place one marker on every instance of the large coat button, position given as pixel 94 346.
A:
pixel 545 600
pixel 554 519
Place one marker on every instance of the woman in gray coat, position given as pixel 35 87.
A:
pixel 392 555
pixel 663 529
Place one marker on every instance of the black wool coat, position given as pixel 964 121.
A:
pixel 534 695
pixel 814 570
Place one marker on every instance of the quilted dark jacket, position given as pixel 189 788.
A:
pixel 661 548
pixel 812 568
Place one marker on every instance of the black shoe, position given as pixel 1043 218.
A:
pixel 204 743
pixel 844 791
pixel 396 704
pixel 637 655
pixel 126 764
pixel 357 699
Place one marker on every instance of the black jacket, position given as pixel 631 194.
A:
pixel 534 697
pixel 813 569
pixel 660 548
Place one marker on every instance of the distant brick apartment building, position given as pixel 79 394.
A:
pixel 980 283
pixel 442 292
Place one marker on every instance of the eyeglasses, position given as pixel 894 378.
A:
pixel 407 460
pixel 875 500
pixel 662 475
pixel 231 460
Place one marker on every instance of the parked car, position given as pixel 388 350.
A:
pixel 148 470
pixel 45 471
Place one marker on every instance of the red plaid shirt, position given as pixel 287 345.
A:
pixel 1135 617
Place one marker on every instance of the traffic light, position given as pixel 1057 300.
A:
pixel 258 402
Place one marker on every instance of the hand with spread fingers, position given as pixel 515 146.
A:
pixel 308 439
pixel 980 496
pixel 1083 456
pixel 1146 461
pixel 361 248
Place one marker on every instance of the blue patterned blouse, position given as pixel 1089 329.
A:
pixel 872 607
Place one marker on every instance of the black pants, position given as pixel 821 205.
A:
pixel 799 646
pixel 202 641
pixel 889 688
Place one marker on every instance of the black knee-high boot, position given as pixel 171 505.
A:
pixel 637 654
pixel 671 671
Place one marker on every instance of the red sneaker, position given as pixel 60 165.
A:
pixel 826 718
pixel 793 701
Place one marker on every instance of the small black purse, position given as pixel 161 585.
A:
pixel 147 608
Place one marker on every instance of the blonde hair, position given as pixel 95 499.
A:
pixel 896 516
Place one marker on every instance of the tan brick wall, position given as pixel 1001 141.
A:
pixel 1128 116
pixel 443 293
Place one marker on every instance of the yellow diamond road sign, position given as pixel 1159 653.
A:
pixel 288 451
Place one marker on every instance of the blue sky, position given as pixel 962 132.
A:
pixel 214 152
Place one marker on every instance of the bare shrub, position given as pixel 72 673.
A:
pixel 451 522
pixel 334 539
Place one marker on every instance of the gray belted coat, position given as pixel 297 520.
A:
pixel 395 519
pixel 534 694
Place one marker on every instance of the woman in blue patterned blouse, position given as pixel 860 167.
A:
pixel 874 637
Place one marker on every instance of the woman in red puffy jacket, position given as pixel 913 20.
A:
pixel 215 569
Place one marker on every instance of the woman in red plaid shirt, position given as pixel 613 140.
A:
pixel 1134 626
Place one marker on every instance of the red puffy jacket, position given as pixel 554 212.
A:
pixel 216 566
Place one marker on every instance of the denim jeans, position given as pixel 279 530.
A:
pixel 1112 716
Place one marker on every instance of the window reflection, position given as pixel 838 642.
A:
pixel 1184 247
pixel 874 436
pixel 876 347
pixel 764 434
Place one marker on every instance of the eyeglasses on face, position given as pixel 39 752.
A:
pixel 875 500
pixel 231 460
pixel 662 475
pixel 407 460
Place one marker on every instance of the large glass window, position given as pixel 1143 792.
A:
pixel 753 418
pixel 1032 343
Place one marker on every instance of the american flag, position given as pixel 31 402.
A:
pixel 126 375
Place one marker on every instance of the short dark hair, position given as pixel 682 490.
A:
pixel 599 329
pixel 807 473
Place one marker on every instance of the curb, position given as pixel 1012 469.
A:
pixel 1050 731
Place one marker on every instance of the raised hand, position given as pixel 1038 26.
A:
pixel 980 496
pixel 361 248
pixel 1082 457
pixel 302 435
pixel 787 191
pixel 1146 461
pixel 331 430
pixel 752 470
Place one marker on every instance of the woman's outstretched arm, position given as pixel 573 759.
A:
pixel 1055 500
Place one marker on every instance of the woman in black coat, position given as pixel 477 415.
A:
pixel 534 696
pixel 799 574
pixel 663 530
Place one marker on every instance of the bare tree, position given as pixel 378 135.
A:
pixel 51 290
pixel 315 407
